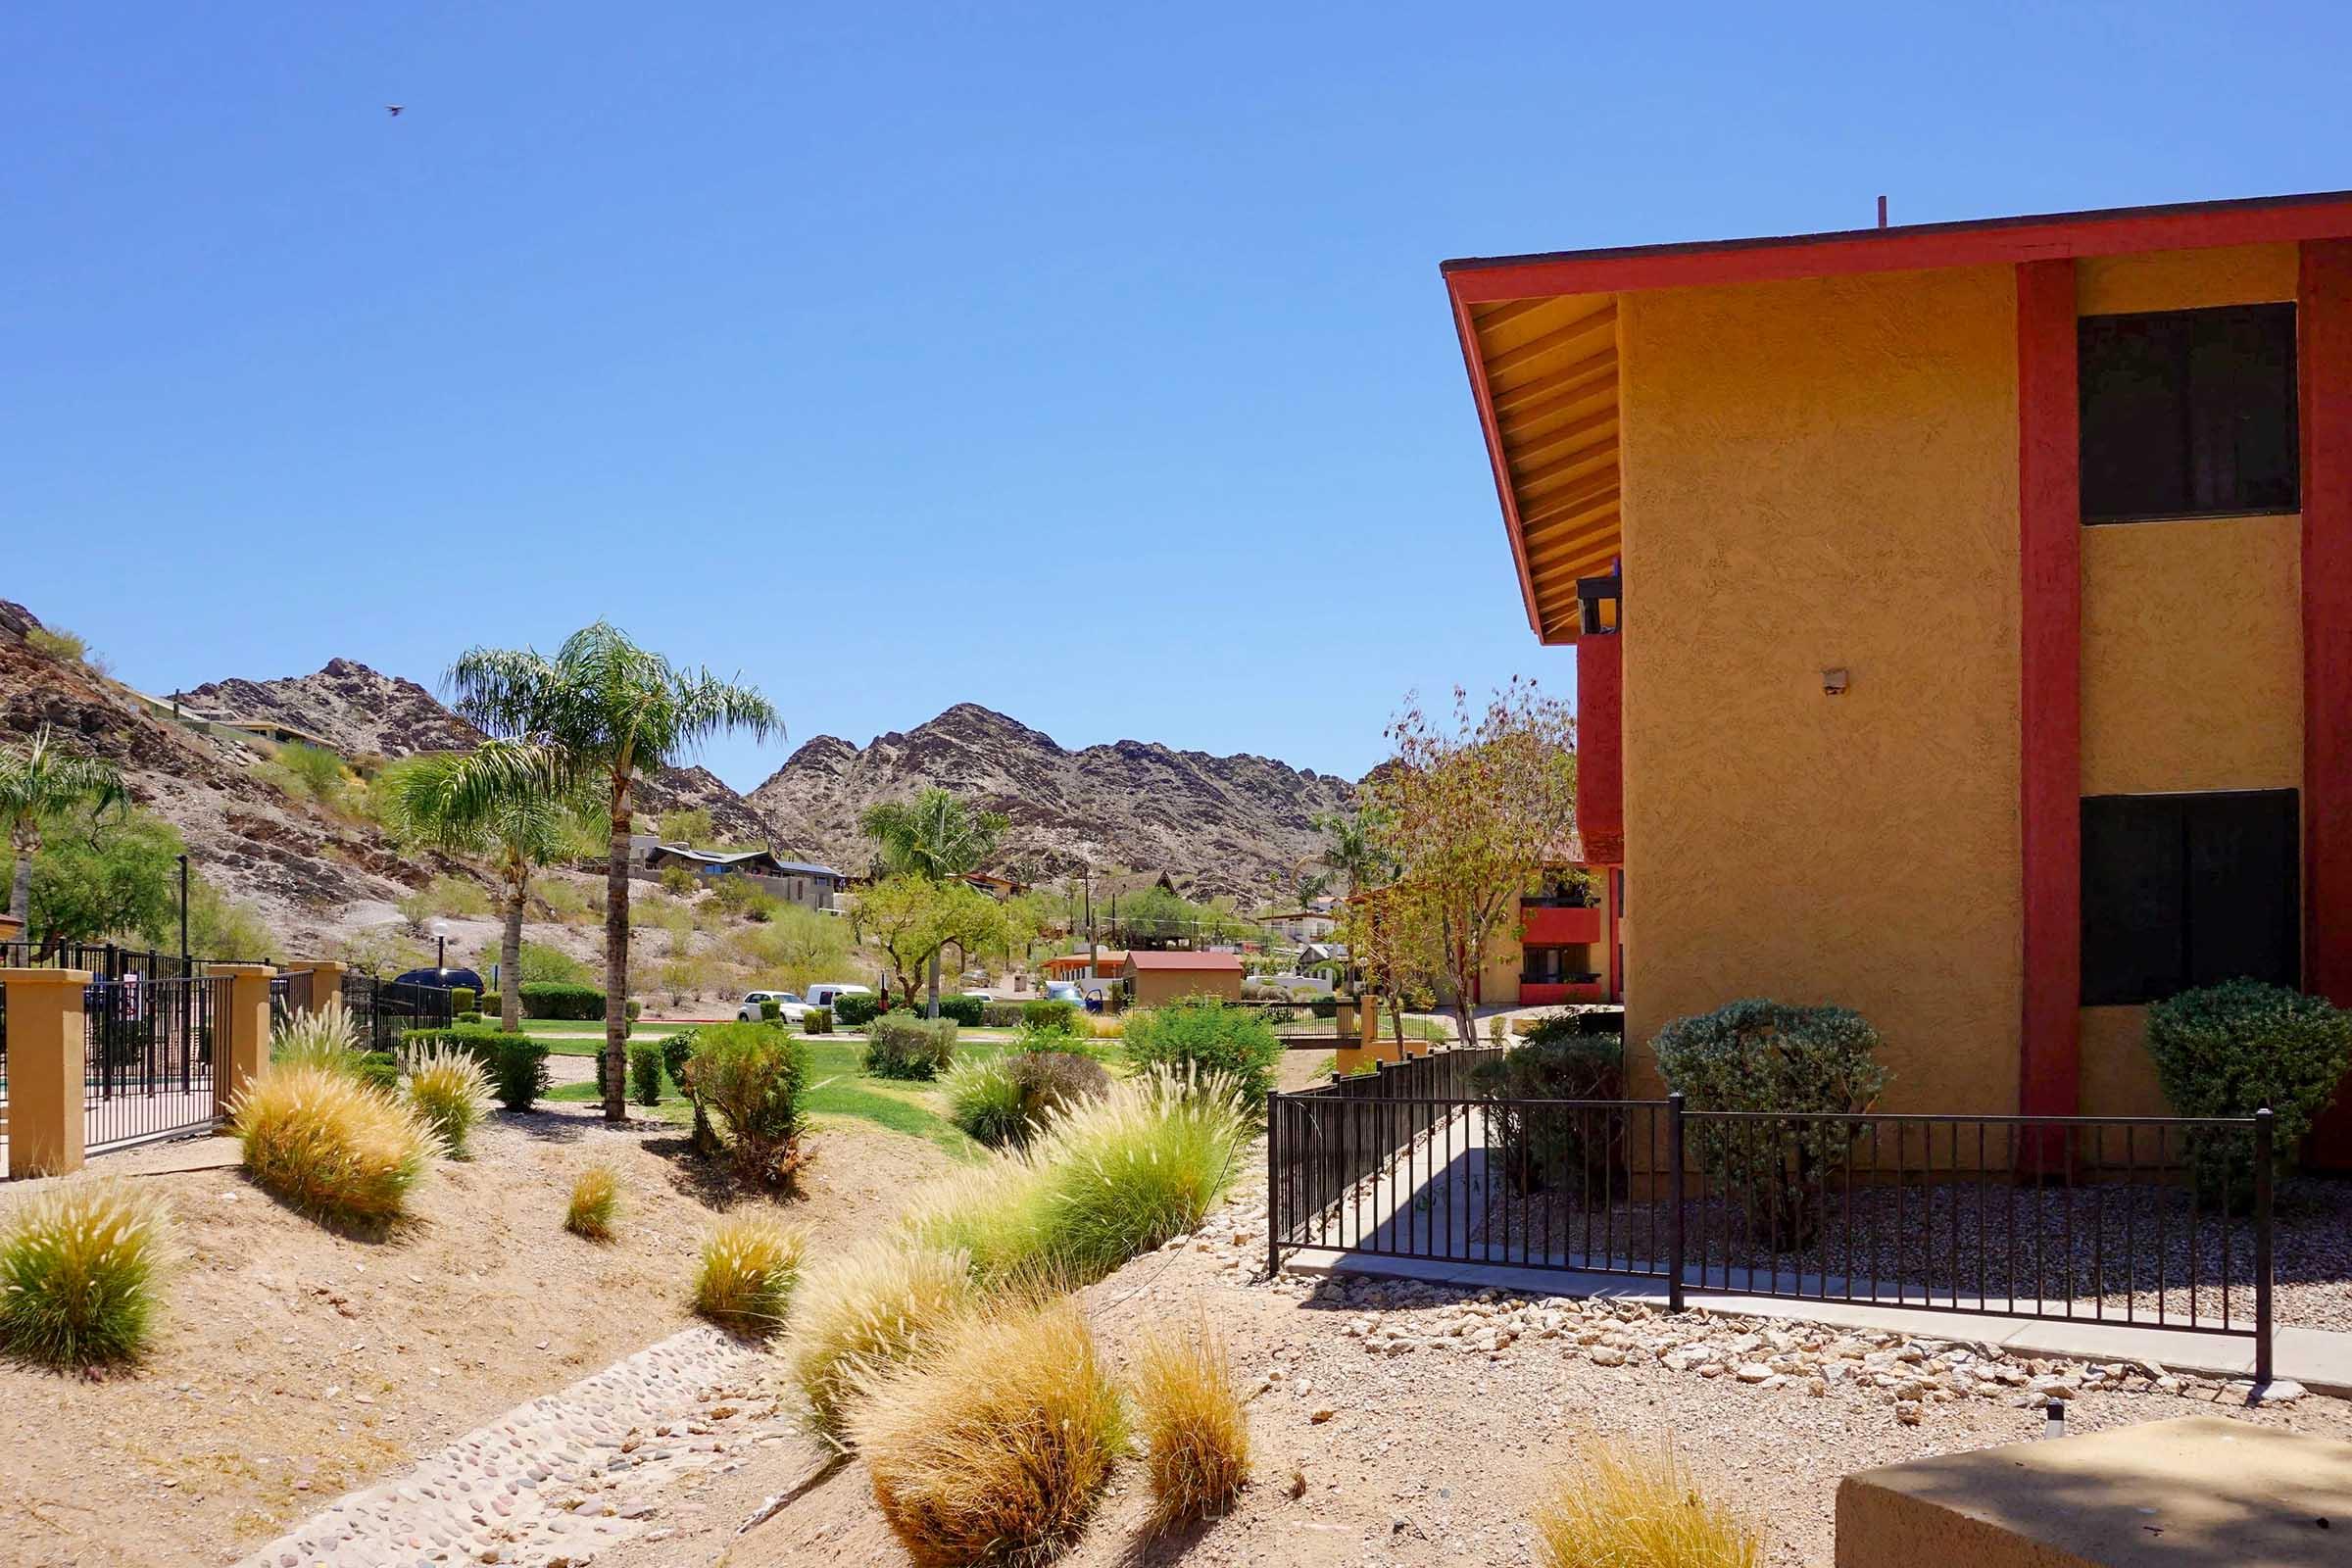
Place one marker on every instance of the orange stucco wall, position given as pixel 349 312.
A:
pixel 1151 988
pixel 2192 637
pixel 1822 474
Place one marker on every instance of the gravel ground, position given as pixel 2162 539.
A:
pixel 1406 1424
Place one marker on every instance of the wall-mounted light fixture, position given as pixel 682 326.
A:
pixel 1834 682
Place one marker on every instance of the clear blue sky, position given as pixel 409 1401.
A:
pixel 1087 363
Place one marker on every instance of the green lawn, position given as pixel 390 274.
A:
pixel 837 1091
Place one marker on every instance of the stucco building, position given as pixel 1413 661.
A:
pixel 1961 615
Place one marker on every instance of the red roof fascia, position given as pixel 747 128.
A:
pixel 1183 961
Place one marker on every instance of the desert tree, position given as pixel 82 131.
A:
pixel 599 713
pixel 937 837
pixel 1472 810
pixel 912 919
pixel 40 779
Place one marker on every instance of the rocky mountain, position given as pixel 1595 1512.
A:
pixel 298 866
pixel 362 712
pixel 1217 824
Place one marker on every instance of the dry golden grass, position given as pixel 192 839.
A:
pixel 861 1313
pixel 330 1144
pixel 1636 1510
pixel 1189 1414
pixel 595 1199
pixel 995 1442
pixel 450 1090
pixel 748 1267
pixel 78 1274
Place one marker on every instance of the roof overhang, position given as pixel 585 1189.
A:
pixel 1538 338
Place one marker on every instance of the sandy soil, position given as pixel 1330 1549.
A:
pixel 1434 1456
pixel 293 1363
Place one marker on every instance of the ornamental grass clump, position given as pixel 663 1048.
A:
pixel 857 1315
pixel 327 1037
pixel 1004 1101
pixel 2232 1048
pixel 450 1091
pixel 330 1145
pixel 995 1443
pixel 595 1199
pixel 1145 1162
pixel 1636 1510
pixel 748 1267
pixel 1189 1414
pixel 79 1266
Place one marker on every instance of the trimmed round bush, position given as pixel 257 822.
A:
pixel 1556 1149
pixel 561 999
pixel 2230 1049
pixel 645 1073
pixel 997 1442
pixel 966 1011
pixel 749 1266
pixel 903 1046
pixel 749 1076
pixel 79 1269
pixel 854 1010
pixel 770 1010
pixel 1206 1035
pixel 1762 1055
pixel 330 1145
pixel 1042 1014
pixel 816 1020
pixel 859 1314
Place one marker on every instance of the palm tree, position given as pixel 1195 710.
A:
pixel 937 837
pixel 1355 851
pixel 598 714
pixel 36 779
pixel 504 801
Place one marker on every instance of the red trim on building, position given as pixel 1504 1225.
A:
pixel 2324 356
pixel 1600 748
pixel 1548 926
pixel 1977 242
pixel 2049 696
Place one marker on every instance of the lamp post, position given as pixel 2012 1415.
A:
pixel 441 948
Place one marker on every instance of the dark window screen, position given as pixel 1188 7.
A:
pixel 2187 412
pixel 2188 890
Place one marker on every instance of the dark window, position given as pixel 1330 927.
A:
pixel 2187 412
pixel 2187 890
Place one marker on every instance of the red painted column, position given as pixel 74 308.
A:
pixel 1600 748
pixel 2324 356
pixel 2051 691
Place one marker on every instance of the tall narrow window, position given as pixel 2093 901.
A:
pixel 2187 890
pixel 2189 414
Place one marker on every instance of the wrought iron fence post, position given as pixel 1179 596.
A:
pixel 2262 1246
pixel 1273 1189
pixel 1673 1225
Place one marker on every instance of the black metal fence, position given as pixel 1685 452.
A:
pixel 148 1060
pixel 2162 1223
pixel 289 995
pixel 383 1009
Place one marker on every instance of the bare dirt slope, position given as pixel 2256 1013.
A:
pixel 1218 824
pixel 293 1363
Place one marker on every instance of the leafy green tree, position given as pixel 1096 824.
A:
pixel 520 817
pixel 937 837
pixel 690 825
pixel 910 918
pixel 600 711
pixel 42 779
pixel 98 875
pixel 1356 848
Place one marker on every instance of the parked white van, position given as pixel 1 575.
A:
pixel 825 994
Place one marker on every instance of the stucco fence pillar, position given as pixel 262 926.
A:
pixel 46 1047
pixel 327 982
pixel 241 1031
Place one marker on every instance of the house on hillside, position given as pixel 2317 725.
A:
pixel 802 882
pixel 1962 619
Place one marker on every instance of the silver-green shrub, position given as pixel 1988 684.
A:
pixel 2230 1049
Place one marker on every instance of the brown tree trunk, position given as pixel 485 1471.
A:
pixel 616 959
pixel 931 1010
pixel 509 963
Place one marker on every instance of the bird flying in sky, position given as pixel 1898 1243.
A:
pixel 394 110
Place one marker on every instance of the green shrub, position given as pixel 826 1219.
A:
pixel 1756 1054
pixel 1001 1015
pixel 466 1018
pixel 852 1011
pixel 2231 1049
pixel 817 1020
pixel 903 1046
pixel 1045 1014
pixel 677 881
pixel 491 1005
pixel 561 999
pixel 750 1077
pixel 1004 1100
pixel 517 1064
pixel 966 1011
pixel 770 1010
pixel 1556 1149
pixel 645 1073
pixel 536 961
pixel 676 1052
pixel 462 998
pixel 379 1069
pixel 1206 1035
pixel 79 1270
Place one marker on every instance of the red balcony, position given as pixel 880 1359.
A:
pixel 1558 925
pixel 1546 993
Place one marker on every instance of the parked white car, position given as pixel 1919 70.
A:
pixel 789 1006
pixel 828 992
